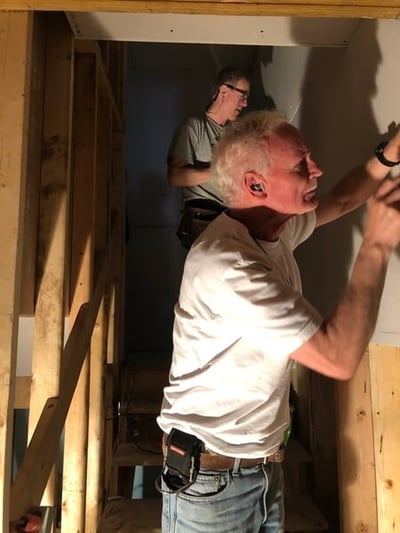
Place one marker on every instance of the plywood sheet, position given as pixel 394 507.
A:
pixel 385 394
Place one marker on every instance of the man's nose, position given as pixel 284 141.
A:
pixel 313 169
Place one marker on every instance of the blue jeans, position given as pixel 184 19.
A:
pixel 221 501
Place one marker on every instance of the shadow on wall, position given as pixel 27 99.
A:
pixel 259 96
pixel 338 124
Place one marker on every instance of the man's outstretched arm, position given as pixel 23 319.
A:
pixel 358 185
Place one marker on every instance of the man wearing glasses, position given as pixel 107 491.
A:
pixel 191 149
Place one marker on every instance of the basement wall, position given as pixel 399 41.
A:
pixel 343 99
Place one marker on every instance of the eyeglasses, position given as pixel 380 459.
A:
pixel 243 94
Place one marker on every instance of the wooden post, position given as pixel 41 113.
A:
pixel 101 232
pixel 385 395
pixel 30 239
pixel 356 453
pixel 48 340
pixel 76 430
pixel 15 63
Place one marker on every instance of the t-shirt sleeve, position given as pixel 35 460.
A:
pixel 184 142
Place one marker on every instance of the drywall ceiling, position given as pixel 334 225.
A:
pixel 216 29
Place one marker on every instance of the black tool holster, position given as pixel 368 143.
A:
pixel 182 460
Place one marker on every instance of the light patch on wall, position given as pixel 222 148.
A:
pixel 217 29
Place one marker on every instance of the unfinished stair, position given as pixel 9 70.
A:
pixel 139 445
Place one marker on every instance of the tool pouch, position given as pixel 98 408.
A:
pixel 182 460
pixel 197 215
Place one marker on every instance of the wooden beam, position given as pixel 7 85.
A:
pixel 48 338
pixel 289 8
pixel 82 272
pixel 95 478
pixel 385 394
pixel 110 474
pixel 22 392
pixel 356 452
pixel 15 63
pixel 29 250
pixel 83 46
pixel 40 455
pixel 101 228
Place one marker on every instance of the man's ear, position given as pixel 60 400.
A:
pixel 255 184
pixel 223 89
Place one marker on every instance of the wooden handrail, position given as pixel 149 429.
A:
pixel 40 455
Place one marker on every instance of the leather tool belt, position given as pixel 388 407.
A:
pixel 197 214
pixel 214 461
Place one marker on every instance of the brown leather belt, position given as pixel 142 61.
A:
pixel 214 461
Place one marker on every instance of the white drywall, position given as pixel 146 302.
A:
pixel 344 101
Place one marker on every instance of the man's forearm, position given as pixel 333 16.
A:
pixel 337 347
pixel 360 184
pixel 351 326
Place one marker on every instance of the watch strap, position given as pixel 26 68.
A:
pixel 381 158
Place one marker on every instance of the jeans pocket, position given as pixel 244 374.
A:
pixel 208 486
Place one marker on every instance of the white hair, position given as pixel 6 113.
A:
pixel 243 148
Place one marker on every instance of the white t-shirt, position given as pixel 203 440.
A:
pixel 239 316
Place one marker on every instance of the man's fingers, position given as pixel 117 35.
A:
pixel 389 188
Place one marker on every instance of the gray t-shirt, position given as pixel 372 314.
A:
pixel 194 142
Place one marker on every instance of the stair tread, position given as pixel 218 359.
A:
pixel 149 453
pixel 144 516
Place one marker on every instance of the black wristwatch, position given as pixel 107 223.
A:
pixel 381 158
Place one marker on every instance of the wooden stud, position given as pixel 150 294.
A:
pixel 82 269
pixel 28 280
pixel 356 453
pixel 101 229
pixel 40 455
pixel 110 474
pixel 48 339
pixel 22 392
pixel 96 425
pixel 324 446
pixel 385 394
pixel 15 63
pixel 289 8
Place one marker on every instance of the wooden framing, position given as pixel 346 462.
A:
pixel 15 72
pixel 82 272
pixel 385 408
pixel 53 220
pixel 289 8
pixel 76 202
pixel 367 407
pixel 356 452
